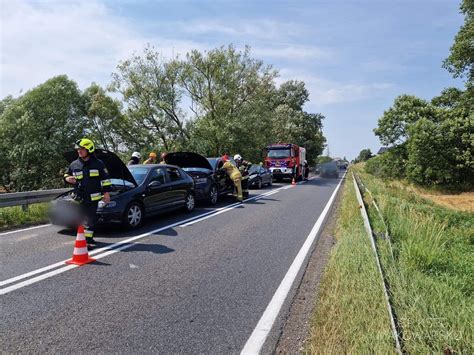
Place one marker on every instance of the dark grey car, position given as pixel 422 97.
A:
pixel 210 181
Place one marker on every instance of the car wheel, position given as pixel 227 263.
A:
pixel 270 183
pixel 189 202
pixel 259 184
pixel 213 195
pixel 133 215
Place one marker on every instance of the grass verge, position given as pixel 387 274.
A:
pixel 11 217
pixel 350 315
pixel 431 271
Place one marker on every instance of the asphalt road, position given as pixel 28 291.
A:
pixel 197 287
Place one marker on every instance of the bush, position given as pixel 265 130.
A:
pixel 389 165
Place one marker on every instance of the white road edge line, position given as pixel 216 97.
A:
pixel 111 249
pixel 260 333
pixel 25 229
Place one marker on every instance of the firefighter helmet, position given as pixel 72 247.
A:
pixel 152 155
pixel 136 155
pixel 85 143
pixel 237 157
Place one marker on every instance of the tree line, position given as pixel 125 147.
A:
pixel 212 102
pixel 431 143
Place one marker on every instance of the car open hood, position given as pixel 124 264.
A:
pixel 187 160
pixel 115 166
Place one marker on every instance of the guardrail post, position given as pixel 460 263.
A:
pixel 24 207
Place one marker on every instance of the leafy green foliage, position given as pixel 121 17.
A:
pixel 231 97
pixel 364 155
pixel 234 107
pixel 461 60
pixel 150 89
pixel 35 129
pixel 391 164
pixel 435 139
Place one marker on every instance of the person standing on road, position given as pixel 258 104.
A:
pixel 151 158
pixel 234 175
pixel 136 156
pixel 91 185
pixel 243 167
pixel 306 170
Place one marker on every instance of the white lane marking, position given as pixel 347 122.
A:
pixel 108 250
pixel 260 333
pixel 230 207
pixel 25 237
pixel 25 229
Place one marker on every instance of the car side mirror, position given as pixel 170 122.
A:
pixel 154 185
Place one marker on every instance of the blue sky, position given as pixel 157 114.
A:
pixel 354 56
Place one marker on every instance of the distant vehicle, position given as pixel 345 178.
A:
pixel 137 191
pixel 329 170
pixel 259 176
pixel 210 181
pixel 285 160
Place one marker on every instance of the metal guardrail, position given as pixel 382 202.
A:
pixel 29 197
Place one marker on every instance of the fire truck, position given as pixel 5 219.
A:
pixel 285 160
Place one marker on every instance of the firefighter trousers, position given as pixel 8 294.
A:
pixel 238 185
pixel 89 218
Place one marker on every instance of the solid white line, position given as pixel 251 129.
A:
pixel 25 229
pixel 260 333
pixel 110 249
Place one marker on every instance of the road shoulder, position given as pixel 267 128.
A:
pixel 297 324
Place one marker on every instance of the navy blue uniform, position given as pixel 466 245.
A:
pixel 92 180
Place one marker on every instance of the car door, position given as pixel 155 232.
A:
pixel 156 190
pixel 177 186
pixel 223 180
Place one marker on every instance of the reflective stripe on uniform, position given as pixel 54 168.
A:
pixel 106 182
pixel 96 197
pixel 88 233
pixel 66 175
pixel 78 175
pixel 93 172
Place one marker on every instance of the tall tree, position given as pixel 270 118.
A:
pixel 231 100
pixel 108 127
pixel 36 129
pixel 150 89
pixel 461 60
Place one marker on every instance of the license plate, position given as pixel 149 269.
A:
pixel 277 171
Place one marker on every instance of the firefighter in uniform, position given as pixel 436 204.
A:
pixel 243 167
pixel 234 175
pixel 151 158
pixel 91 185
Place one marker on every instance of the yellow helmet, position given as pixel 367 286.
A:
pixel 152 155
pixel 86 144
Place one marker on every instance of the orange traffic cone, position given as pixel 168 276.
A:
pixel 80 255
pixel 293 182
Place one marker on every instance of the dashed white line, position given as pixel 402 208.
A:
pixel 25 229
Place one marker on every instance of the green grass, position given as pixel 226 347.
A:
pixel 431 276
pixel 11 217
pixel 350 316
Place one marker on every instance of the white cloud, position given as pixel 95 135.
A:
pixel 249 29
pixel 83 40
pixel 291 52
pixel 325 92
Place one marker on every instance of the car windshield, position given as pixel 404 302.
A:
pixel 213 162
pixel 121 182
pixel 139 173
pixel 253 169
pixel 279 153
